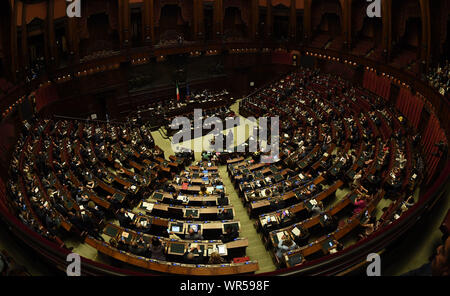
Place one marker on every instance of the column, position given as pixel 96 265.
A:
pixel 120 17
pixel 14 68
pixel 425 49
pixel 386 11
pixel 199 21
pixel 126 23
pixel 293 21
pixel 269 20
pixel 25 58
pixel 254 8
pixel 346 6
pixel 51 31
pixel 307 20
pixel 218 18
pixel 72 36
pixel 148 21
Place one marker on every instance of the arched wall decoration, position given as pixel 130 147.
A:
pixel 324 6
pixel 187 12
pixel 407 10
pixel 445 13
pixel 99 6
pixel 39 11
pixel 245 12
pixel 286 3
pixel 157 12
pixel 358 14
pixel 300 4
pixel 59 10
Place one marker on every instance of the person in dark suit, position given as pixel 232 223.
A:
pixel 193 256
pixel 124 220
pixel 122 245
pixel 225 214
pixel 230 234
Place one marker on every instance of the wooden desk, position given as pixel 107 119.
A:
pixel 171 267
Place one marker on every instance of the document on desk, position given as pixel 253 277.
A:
pixel 280 236
pixel 212 249
pixel 296 231
pixel 183 198
pixel 222 249
pixel 130 215
pixel 148 206
pixel 125 234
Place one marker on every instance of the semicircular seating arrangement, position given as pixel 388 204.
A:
pixel 109 186
pixel 348 167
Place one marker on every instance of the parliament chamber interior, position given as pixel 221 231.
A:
pixel 88 164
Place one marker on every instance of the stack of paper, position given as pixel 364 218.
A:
pixel 296 231
pixel 222 249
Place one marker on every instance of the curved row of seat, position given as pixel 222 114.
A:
pixel 82 179
pixel 334 136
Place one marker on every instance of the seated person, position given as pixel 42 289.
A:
pixel 302 238
pixel 172 235
pixel 216 259
pixel 266 193
pixel 225 214
pixel 317 209
pixel 94 209
pixel 139 226
pixel 360 205
pixel 114 202
pixel 193 233
pixel 137 249
pixel 193 256
pixel 122 245
pixel 369 228
pixel 230 235
pixel 337 247
pixel 157 249
pixel 329 223
pixel 222 200
pixel 286 244
pixel 124 219
pixel 277 204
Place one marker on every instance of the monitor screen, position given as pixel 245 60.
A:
pixel 194 213
pixel 177 248
pixel 158 195
pixel 176 228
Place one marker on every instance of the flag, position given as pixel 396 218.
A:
pixel 188 93
pixel 178 92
